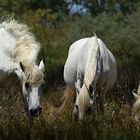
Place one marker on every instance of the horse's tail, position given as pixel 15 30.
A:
pixel 67 99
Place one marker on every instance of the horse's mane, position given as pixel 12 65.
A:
pixel 34 75
pixel 27 48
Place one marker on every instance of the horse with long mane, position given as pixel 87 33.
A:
pixel 90 66
pixel 18 55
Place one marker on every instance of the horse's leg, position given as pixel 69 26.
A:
pixel 101 95
pixel 75 110
pixel 77 86
pixel 93 105
pixel 101 100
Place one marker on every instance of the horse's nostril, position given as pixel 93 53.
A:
pixel 35 112
pixel 40 108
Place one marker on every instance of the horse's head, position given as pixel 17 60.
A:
pixel 136 106
pixel 32 84
pixel 86 100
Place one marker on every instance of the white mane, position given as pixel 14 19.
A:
pixel 34 75
pixel 27 48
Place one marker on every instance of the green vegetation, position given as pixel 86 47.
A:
pixel 56 31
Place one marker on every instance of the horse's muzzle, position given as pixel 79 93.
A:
pixel 36 112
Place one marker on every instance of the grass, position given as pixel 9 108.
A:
pixel 117 122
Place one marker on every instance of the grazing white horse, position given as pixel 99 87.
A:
pixel 18 54
pixel 89 66
pixel 136 106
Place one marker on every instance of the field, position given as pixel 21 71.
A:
pixel 121 35
pixel 116 123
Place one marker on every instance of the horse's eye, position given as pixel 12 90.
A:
pixel 27 85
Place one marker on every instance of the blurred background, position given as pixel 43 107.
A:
pixel 56 24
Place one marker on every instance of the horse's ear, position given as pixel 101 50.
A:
pixel 22 67
pixel 41 66
pixel 135 95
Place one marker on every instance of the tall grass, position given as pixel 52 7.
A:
pixel 116 123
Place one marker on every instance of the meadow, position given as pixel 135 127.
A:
pixel 121 35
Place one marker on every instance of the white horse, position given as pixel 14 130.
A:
pixel 136 106
pixel 18 54
pixel 89 66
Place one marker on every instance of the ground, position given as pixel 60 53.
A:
pixel 116 123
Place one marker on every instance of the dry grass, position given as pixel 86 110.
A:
pixel 116 123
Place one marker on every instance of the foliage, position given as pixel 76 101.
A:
pixel 118 32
